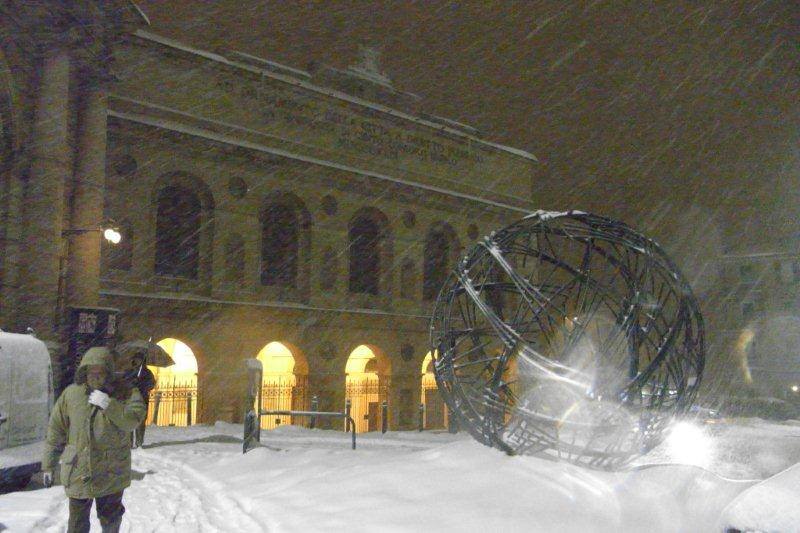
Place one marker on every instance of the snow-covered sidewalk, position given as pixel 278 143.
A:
pixel 196 479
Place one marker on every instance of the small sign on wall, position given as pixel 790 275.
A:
pixel 87 327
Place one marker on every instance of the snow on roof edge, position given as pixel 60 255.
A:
pixel 273 64
pixel 166 41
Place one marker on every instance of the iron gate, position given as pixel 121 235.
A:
pixel 173 404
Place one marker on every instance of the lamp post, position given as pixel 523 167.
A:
pixel 109 231
pixel 79 321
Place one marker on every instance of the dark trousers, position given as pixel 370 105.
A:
pixel 137 437
pixel 109 511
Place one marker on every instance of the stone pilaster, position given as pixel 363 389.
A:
pixel 39 287
pixel 83 249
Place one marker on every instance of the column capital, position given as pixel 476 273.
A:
pixel 85 27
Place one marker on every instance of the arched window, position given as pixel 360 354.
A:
pixel 440 249
pixel 279 245
pixel 178 225
pixel 234 259
pixel 365 238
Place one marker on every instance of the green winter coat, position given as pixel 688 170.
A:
pixel 94 444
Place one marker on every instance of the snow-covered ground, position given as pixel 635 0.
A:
pixel 196 479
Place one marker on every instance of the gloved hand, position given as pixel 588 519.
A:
pixel 99 398
pixel 47 479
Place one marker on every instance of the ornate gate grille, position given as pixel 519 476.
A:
pixel 435 410
pixel 366 396
pixel 173 403
pixel 283 394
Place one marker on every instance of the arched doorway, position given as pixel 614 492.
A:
pixel 283 383
pixel 366 387
pixel 173 402
pixel 436 415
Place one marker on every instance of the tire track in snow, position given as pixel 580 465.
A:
pixel 170 497
pixel 189 500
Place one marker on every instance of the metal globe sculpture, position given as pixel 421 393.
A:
pixel 568 335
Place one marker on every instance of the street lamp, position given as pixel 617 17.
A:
pixel 795 388
pixel 110 232
pixel 112 235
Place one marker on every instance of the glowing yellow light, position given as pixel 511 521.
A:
pixel 112 235
pixel 185 362
pixel 362 387
pixel 428 379
pixel 278 382
pixel 182 376
pixel 276 358
pixel 357 362
pixel 426 363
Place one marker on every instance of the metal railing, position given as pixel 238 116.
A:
pixel 282 394
pixel 173 405
pixel 252 423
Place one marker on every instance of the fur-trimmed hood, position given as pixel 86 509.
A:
pixel 96 356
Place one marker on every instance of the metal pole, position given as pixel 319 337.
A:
pixel 347 406
pixel 352 424
pixel 384 416
pixel 189 409
pixel 421 416
pixel 314 407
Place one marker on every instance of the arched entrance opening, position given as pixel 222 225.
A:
pixel 366 387
pixel 173 401
pixel 283 383
pixel 436 415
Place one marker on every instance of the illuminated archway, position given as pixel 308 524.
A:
pixel 366 387
pixel 282 385
pixel 173 402
pixel 436 415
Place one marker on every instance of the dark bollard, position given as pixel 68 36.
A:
pixel 421 416
pixel 250 430
pixel 189 410
pixel 314 407
pixel 347 407
pixel 156 405
pixel 384 417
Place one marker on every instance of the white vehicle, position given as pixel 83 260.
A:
pixel 26 397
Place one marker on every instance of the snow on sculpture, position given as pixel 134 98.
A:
pixel 568 335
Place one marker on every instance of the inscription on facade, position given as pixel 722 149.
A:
pixel 352 132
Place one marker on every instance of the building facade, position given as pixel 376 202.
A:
pixel 306 218
pixel 303 216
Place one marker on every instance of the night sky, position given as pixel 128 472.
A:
pixel 647 111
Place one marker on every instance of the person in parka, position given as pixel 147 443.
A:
pixel 90 430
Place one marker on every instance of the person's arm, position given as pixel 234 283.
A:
pixel 56 435
pixel 126 414
pixel 149 380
